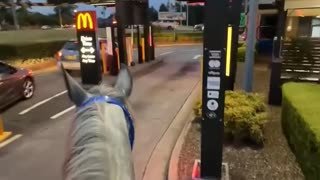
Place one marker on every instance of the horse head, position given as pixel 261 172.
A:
pixel 101 136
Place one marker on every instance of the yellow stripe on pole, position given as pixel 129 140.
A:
pixel 229 40
pixel 143 50
pixel 201 76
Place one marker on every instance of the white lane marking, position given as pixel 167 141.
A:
pixel 41 102
pixel 10 140
pixel 197 56
pixel 165 53
pixel 62 112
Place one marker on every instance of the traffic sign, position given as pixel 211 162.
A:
pixel 86 25
pixel 242 20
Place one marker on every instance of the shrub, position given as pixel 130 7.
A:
pixel 245 116
pixel 301 125
pixel 30 50
pixel 242 53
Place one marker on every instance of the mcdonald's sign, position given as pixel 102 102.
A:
pixel 86 21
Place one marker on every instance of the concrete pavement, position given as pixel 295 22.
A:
pixel 157 96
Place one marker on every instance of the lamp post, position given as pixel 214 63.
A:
pixel 60 17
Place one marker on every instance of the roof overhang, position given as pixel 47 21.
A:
pixel 301 4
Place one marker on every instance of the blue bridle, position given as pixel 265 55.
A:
pixel 109 100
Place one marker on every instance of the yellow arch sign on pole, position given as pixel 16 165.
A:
pixel 3 134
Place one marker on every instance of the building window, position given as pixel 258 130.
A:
pixel 315 28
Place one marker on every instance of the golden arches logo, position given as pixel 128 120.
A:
pixel 84 21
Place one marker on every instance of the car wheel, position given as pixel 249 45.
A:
pixel 28 88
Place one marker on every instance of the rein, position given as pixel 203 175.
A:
pixel 109 100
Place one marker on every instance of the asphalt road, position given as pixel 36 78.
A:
pixel 42 123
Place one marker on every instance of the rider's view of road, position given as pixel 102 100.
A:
pixel 159 89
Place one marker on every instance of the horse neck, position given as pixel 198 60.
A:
pixel 100 144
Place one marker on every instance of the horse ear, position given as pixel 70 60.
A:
pixel 124 81
pixel 76 93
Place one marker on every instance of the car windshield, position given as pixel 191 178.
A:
pixel 71 46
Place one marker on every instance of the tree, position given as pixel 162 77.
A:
pixel 163 8
pixel 58 2
pixel 153 14
pixel 65 12
pixel 180 7
pixel 196 15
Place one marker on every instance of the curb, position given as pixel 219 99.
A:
pixel 177 44
pixel 158 164
pixel 174 160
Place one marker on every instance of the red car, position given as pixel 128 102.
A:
pixel 15 84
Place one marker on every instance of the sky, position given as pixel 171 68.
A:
pixel 49 10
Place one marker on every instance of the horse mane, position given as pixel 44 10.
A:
pixel 86 141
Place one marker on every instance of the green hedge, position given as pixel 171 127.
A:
pixel 245 116
pixel 178 37
pixel 48 49
pixel 242 53
pixel 32 50
pixel 301 125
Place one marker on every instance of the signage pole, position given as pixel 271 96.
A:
pixel 275 80
pixel 234 22
pixel 187 14
pixel 90 64
pixel 120 33
pixel 146 34
pixel 213 88
pixel 139 45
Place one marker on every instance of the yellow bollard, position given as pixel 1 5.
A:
pixel 129 50
pixel 143 53
pixel 118 58
pixel 104 58
pixel 3 134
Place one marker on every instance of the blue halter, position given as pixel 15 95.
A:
pixel 109 100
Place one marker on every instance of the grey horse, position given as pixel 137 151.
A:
pixel 101 136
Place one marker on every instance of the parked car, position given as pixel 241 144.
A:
pixel 69 54
pixel 45 27
pixel 15 83
pixel 169 25
pixel 198 27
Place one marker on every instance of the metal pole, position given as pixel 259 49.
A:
pixel 60 17
pixel 132 35
pixel 14 15
pixel 146 34
pixel 121 32
pixel 187 14
pixel 180 12
pixel 249 62
pixel 275 95
pixel 234 21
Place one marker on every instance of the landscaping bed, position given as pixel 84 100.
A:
pixel 300 122
pixel 33 64
pixel 248 161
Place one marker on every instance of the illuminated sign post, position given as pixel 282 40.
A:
pixel 215 70
pixel 86 25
